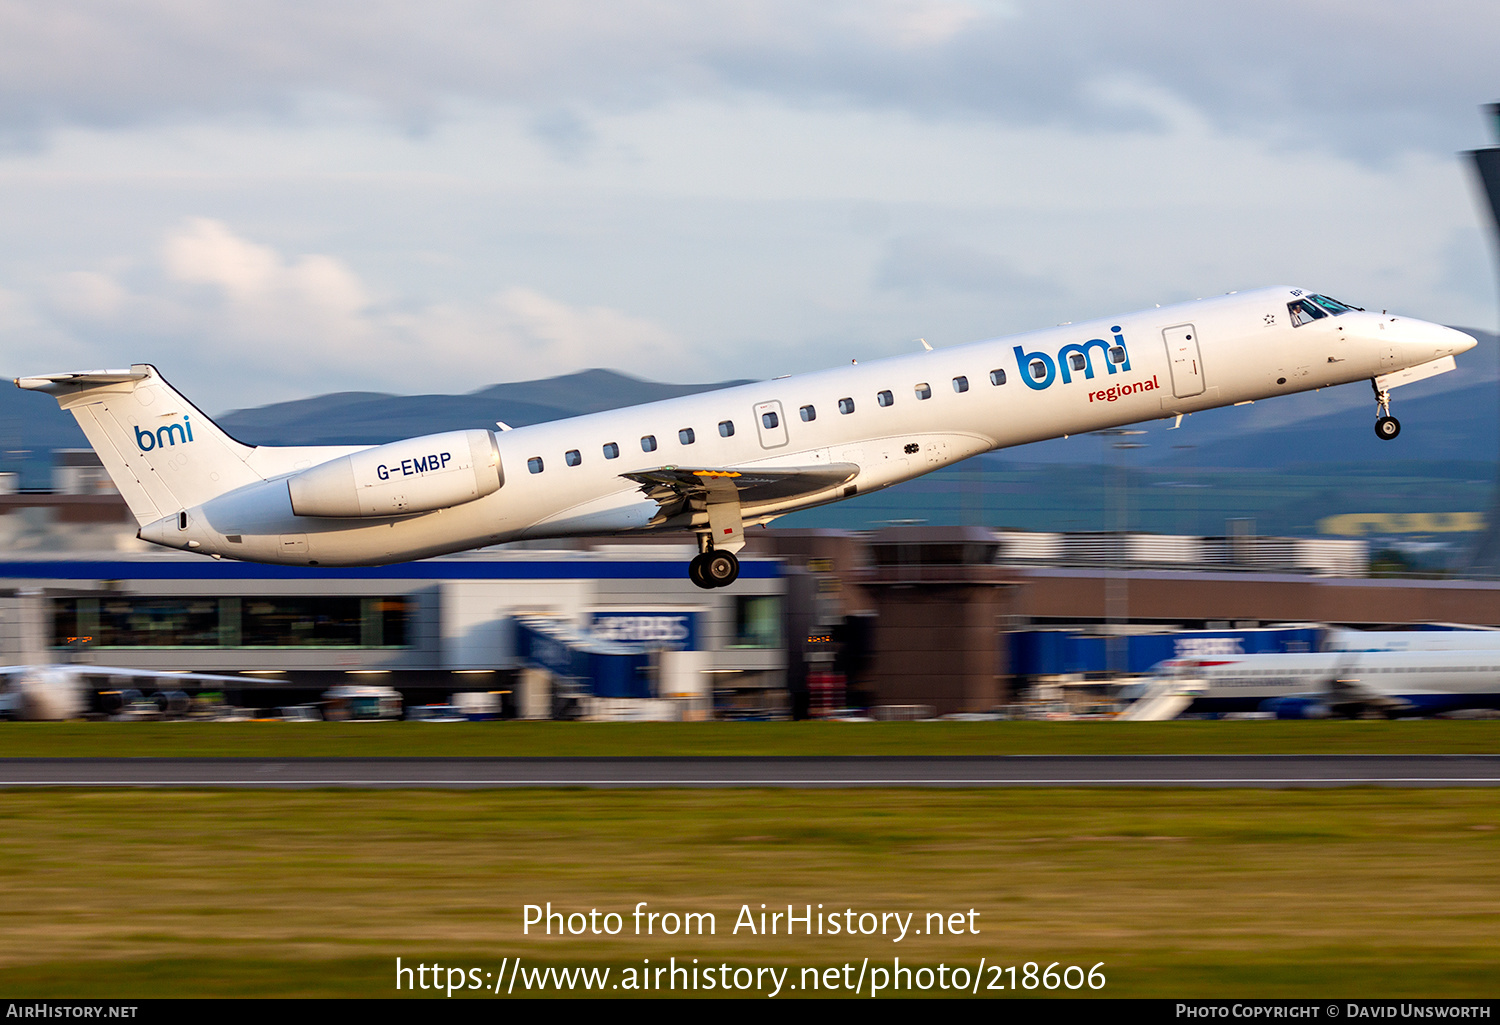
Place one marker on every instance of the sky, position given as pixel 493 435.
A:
pixel 280 199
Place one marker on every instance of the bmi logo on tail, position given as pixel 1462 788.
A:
pixel 171 434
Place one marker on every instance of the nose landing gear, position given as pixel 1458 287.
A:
pixel 1386 426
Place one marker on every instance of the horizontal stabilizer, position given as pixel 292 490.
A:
pixel 57 384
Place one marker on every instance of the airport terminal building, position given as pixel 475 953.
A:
pixel 428 629
pixel 934 620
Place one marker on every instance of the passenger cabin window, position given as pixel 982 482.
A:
pixel 960 384
pixel 771 420
pixel 611 451
pixel 885 398
pixel 726 428
pixel 1117 354
pixel 1038 370
pixel 1077 360
pixel 997 377
pixel 809 414
pixel 571 457
pixel 534 464
pixel 648 443
pixel 686 436
pixel 1304 312
pixel 923 390
pixel 846 405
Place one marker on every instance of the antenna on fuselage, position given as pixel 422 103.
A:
pixel 924 344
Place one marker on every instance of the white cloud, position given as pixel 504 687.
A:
pixel 1371 78
pixel 264 295
pixel 252 324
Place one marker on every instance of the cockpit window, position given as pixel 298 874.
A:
pixel 1333 306
pixel 1304 312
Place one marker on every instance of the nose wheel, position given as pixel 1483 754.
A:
pixel 714 569
pixel 1386 426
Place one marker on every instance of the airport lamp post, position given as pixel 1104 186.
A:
pixel 1190 486
pixel 1116 581
pixel 1485 559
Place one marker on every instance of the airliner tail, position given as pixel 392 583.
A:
pixel 163 454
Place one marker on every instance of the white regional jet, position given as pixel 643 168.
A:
pixel 717 462
pixel 1312 685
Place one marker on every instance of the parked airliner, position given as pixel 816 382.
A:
pixel 1319 683
pixel 51 691
pixel 717 462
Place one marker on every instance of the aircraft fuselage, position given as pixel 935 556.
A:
pixel 887 421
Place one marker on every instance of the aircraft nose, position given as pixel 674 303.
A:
pixel 1445 341
pixel 1460 341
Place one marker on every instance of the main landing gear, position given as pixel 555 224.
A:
pixel 1386 426
pixel 713 568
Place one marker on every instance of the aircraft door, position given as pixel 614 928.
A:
pixel 1187 365
pixel 770 421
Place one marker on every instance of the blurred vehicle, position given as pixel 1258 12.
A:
pixel 476 705
pixel 435 713
pixel 355 702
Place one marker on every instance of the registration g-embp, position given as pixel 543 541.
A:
pixel 421 464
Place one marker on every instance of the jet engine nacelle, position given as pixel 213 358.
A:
pixel 1295 706
pixel 49 695
pixel 416 475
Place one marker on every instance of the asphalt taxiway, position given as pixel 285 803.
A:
pixel 1002 771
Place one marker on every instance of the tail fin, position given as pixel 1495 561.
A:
pixel 163 454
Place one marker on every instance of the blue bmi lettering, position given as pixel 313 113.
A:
pixel 171 434
pixel 1039 370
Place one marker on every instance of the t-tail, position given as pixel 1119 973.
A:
pixel 162 452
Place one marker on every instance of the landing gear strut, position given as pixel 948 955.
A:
pixel 1386 426
pixel 711 568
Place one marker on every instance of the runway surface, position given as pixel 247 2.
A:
pixel 1008 771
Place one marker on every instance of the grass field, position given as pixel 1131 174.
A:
pixel 1230 894
pixel 418 739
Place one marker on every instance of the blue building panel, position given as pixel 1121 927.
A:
pixel 674 631
pixel 1059 652
pixel 609 670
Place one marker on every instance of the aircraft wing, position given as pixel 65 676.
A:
pixel 677 488
pixel 156 675
pixel 80 669
pixel 1348 696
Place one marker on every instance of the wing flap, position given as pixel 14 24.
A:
pixel 675 486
